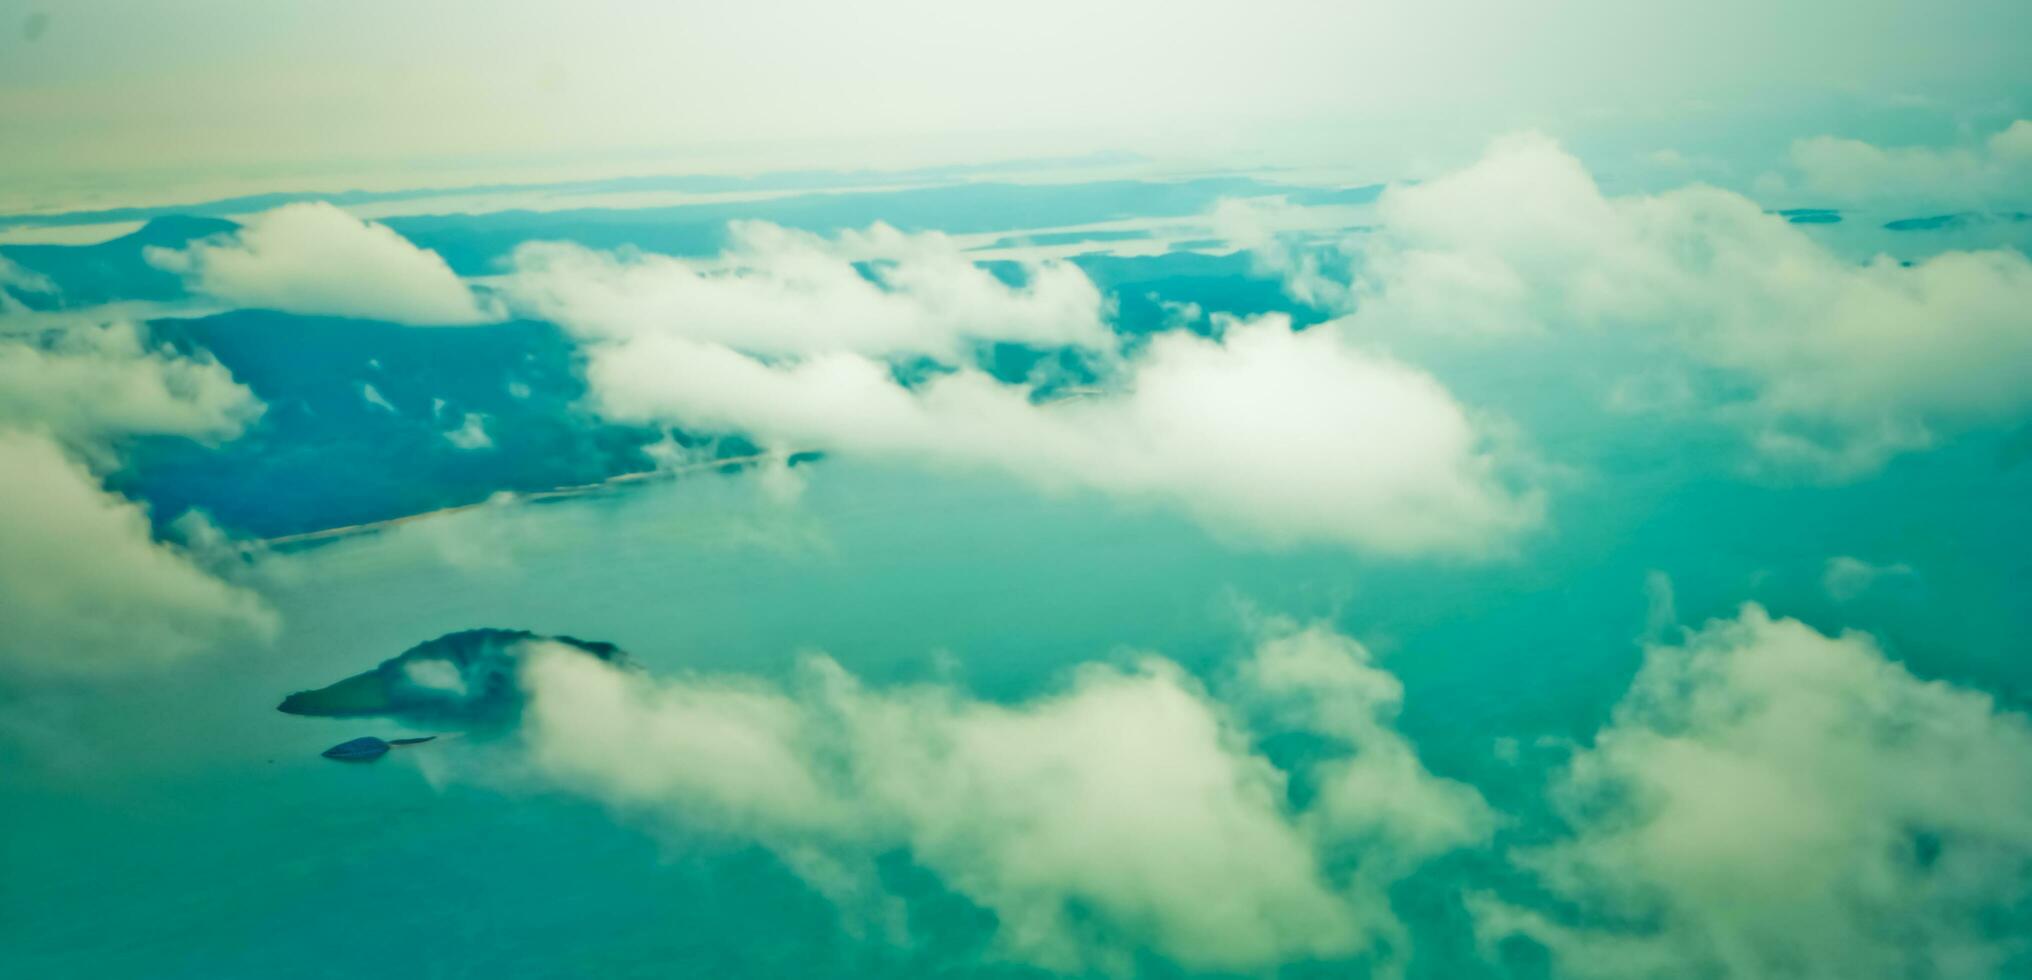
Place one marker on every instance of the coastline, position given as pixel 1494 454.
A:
pixel 726 464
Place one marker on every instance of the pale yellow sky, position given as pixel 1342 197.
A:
pixel 104 100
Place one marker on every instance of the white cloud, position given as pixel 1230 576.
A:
pixel 471 433
pixel 1847 577
pixel 1382 796
pixel 15 280
pixel 1846 363
pixel 374 399
pixel 778 292
pixel 1126 812
pixel 1996 173
pixel 90 384
pixel 314 258
pixel 1273 435
pixel 83 585
pixel 1275 233
pixel 1770 801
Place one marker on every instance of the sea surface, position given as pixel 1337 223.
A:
pixel 175 825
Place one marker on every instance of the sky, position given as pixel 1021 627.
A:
pixel 1052 490
pixel 110 100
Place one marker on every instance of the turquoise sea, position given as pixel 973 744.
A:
pixel 177 826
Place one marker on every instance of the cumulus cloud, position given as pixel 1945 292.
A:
pixel 1771 801
pixel 1268 433
pixel 1127 811
pixel 84 585
pixel 91 384
pixel 1997 172
pixel 1265 432
pixel 1844 364
pixel 778 292
pixel 314 258
pixel 1381 797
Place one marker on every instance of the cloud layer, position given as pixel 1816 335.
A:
pixel 316 259
pixel 1127 811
